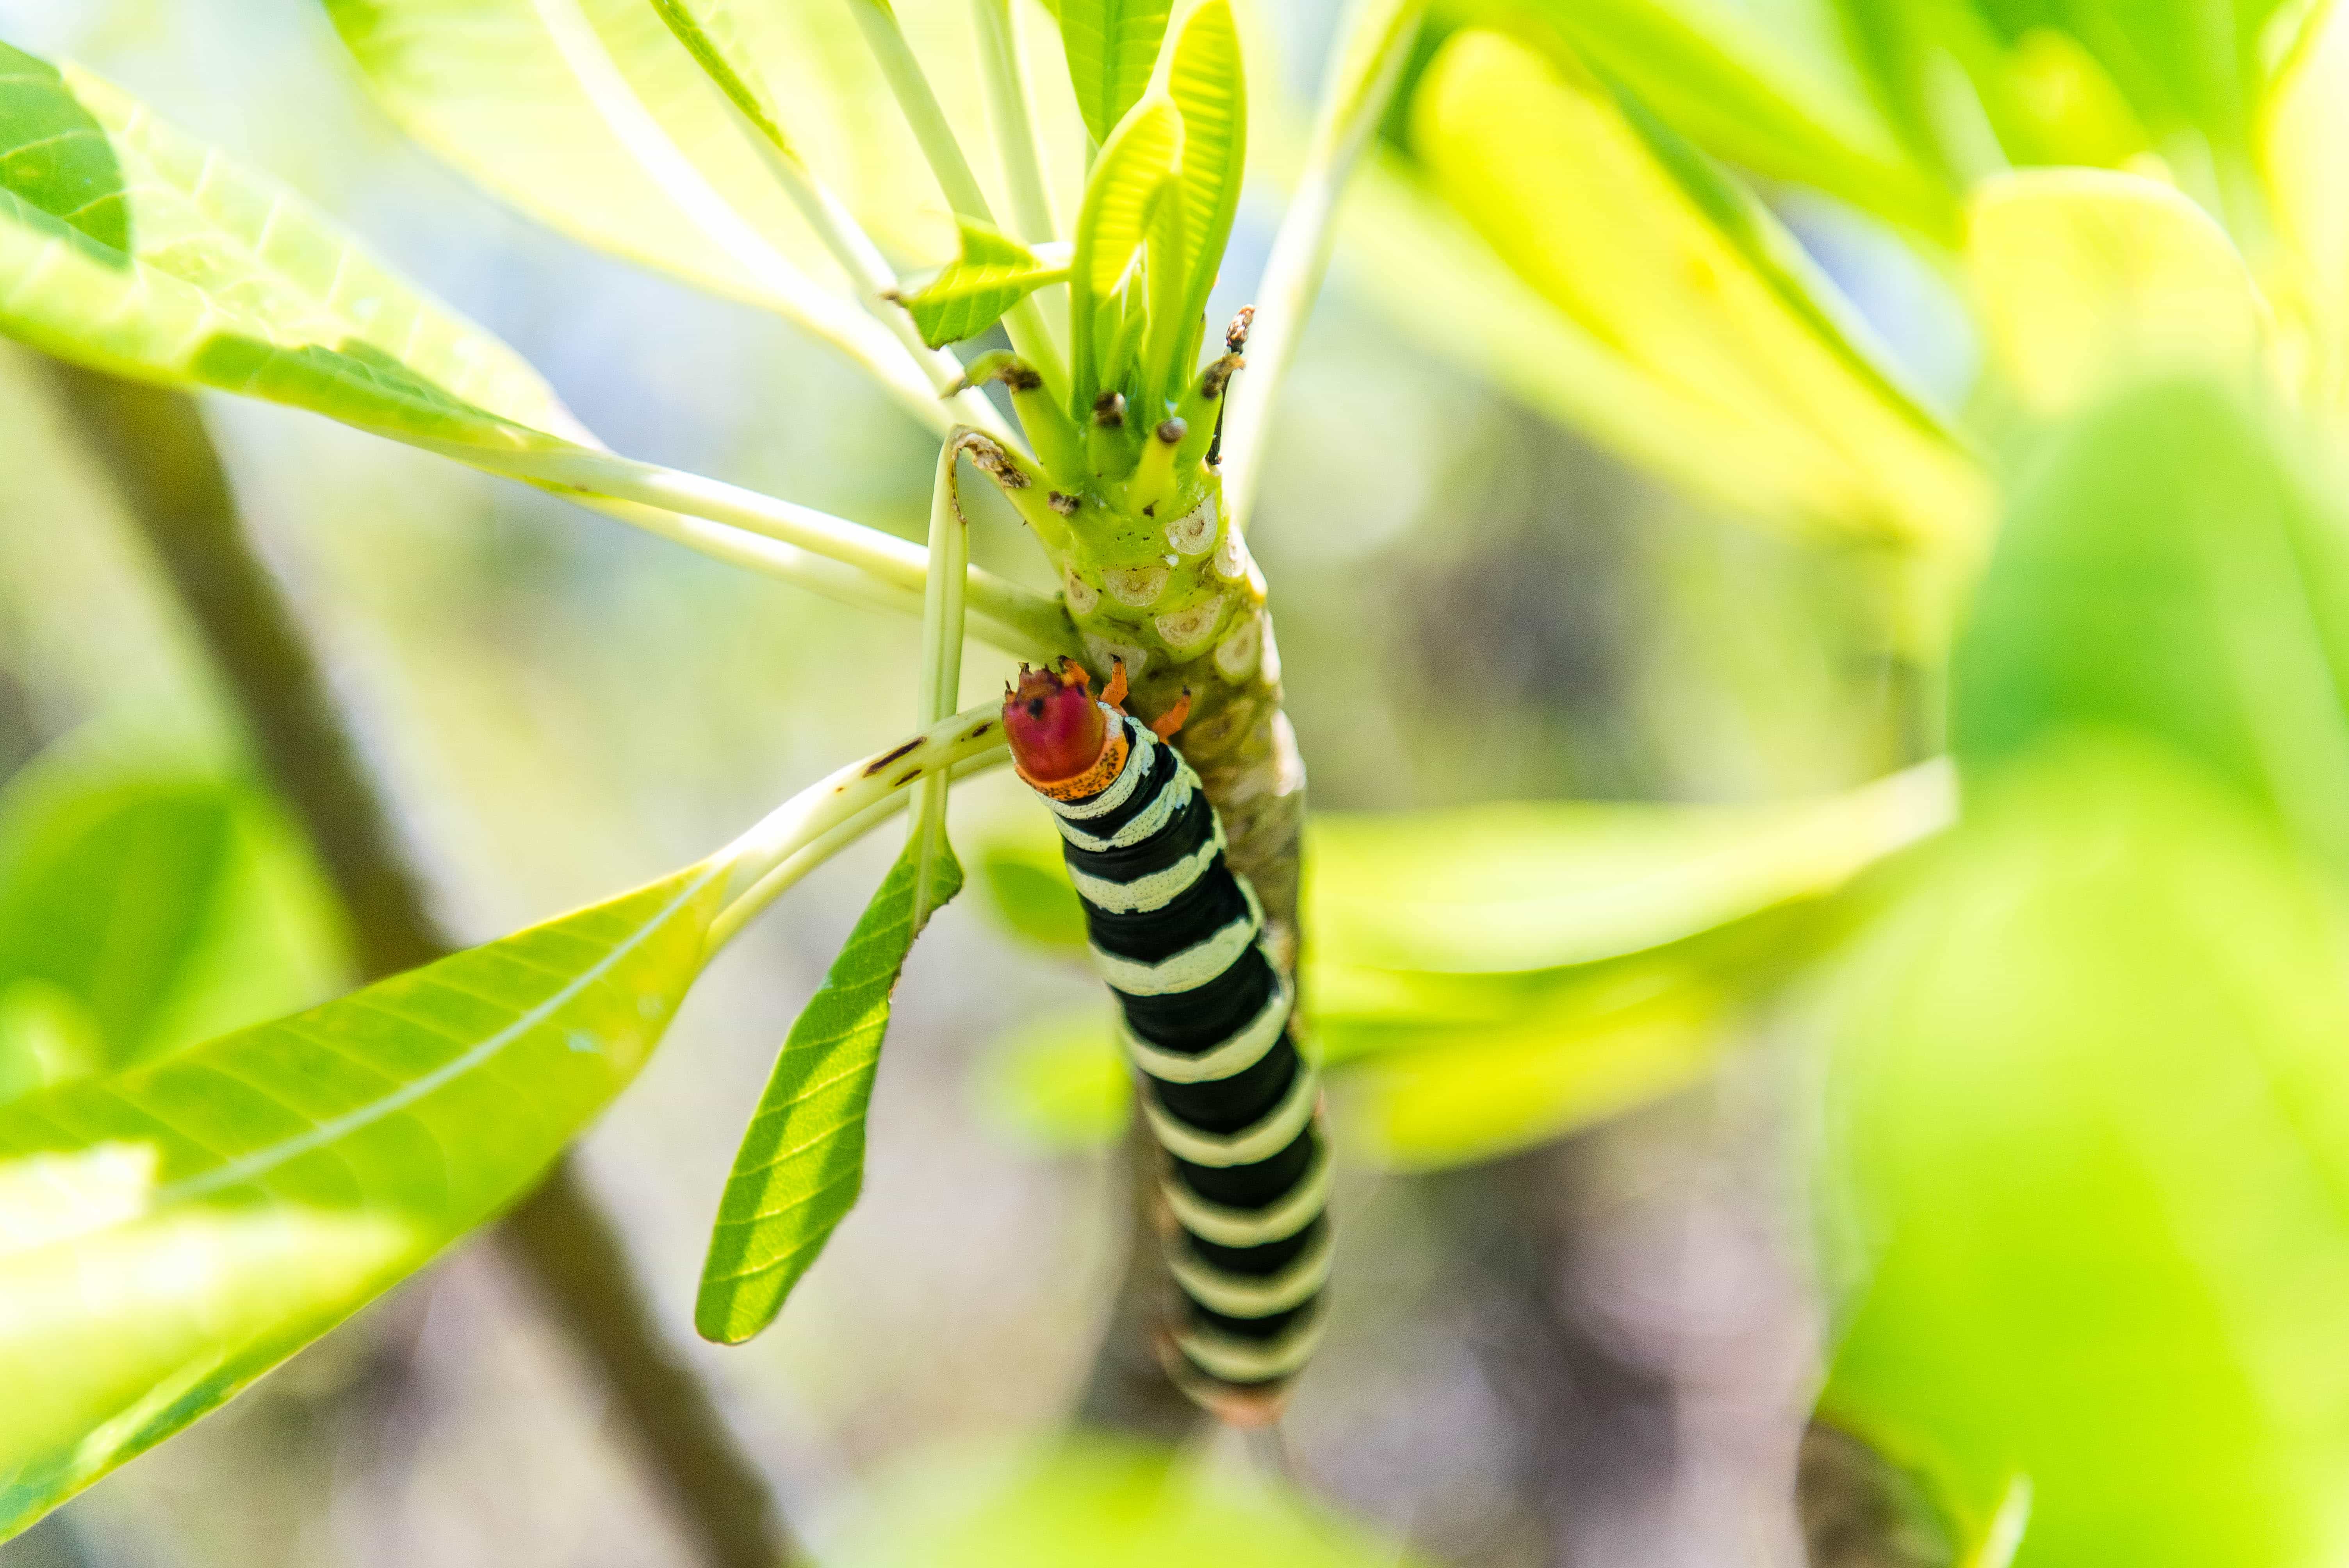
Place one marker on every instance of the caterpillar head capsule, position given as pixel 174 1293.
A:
pixel 1059 734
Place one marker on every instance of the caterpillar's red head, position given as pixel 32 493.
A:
pixel 1061 741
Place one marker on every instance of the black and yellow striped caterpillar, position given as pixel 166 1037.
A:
pixel 1179 937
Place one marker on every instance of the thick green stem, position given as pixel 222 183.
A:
pixel 1200 626
pixel 155 448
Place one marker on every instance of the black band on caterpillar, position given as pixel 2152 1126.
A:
pixel 1179 938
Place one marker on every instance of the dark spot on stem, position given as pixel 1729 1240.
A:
pixel 907 777
pixel 1066 505
pixel 1172 430
pixel 880 762
pixel 1109 410
pixel 1236 336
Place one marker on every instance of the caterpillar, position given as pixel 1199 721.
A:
pixel 1207 1026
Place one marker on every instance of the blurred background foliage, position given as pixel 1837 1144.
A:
pixel 2061 1106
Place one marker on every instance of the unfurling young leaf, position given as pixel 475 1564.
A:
pixel 1209 86
pixel 801 1162
pixel 1112 47
pixel 970 293
pixel 1141 161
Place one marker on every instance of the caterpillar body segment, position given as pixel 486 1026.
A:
pixel 1207 1028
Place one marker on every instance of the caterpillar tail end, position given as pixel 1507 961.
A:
pixel 1250 1407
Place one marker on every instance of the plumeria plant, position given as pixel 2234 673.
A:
pixel 2081 1222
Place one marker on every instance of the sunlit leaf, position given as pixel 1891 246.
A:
pixel 173 1232
pixel 801 1162
pixel 2165 569
pixel 1092 1502
pixel 994 273
pixel 1112 47
pixel 2092 1112
pixel 2088 278
pixel 1526 886
pixel 1208 84
pixel 1688 282
pixel 1141 162
pixel 181 267
pixel 1721 75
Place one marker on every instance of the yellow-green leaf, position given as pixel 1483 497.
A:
pixel 1141 161
pixel 1208 84
pixel 169 1233
pixel 1112 47
pixel 2088 278
pixel 801 1162
pixel 1689 283
pixel 176 265
pixel 994 273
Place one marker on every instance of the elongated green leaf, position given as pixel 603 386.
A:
pixel 1112 47
pixel 1684 276
pixel 2166 570
pixel 707 30
pixel 2092 1112
pixel 994 273
pixel 2088 279
pixel 1718 74
pixel 801 1162
pixel 1455 1095
pixel 177 266
pixel 1516 887
pixel 169 1233
pixel 1208 84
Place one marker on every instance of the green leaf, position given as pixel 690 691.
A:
pixel 1112 47
pixel 1028 888
pixel 2092 1130
pixel 1142 161
pixel 2164 570
pixel 707 30
pixel 1689 283
pixel 994 273
pixel 801 1162
pixel 1537 885
pixel 181 267
pixel 2087 278
pixel 1208 84
pixel 169 1233
pixel 1092 1501
pixel 1722 76
pixel 1059 1083
pixel 1431 1097
pixel 167 905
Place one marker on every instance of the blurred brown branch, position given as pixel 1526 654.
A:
pixel 155 448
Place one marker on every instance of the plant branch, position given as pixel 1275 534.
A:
pixel 161 460
pixel 831 555
pixel 1015 130
pixel 1376 42
pixel 1024 323
pixel 857 334
pixel 941 680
